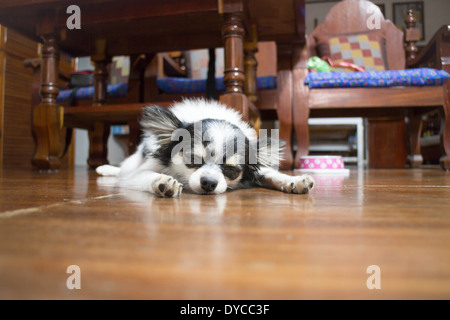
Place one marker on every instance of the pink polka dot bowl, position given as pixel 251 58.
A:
pixel 323 164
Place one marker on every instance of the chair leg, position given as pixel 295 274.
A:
pixel 445 160
pixel 284 110
pixel 99 134
pixel 134 136
pixel 300 103
pixel 47 116
pixel 233 37
pixel 414 158
pixel 98 144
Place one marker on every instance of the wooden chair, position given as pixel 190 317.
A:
pixel 352 16
pixel 98 137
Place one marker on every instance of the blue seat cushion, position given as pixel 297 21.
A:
pixel 377 79
pixel 87 93
pixel 167 85
pixel 183 85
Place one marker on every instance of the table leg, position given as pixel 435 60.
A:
pixel 250 87
pixel 99 133
pixel 250 67
pixel 47 116
pixel 234 78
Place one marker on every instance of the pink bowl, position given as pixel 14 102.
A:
pixel 322 163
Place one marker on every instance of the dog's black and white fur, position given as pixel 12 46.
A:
pixel 213 164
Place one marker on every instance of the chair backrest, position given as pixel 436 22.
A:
pixel 352 16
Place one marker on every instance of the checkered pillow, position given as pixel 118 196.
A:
pixel 119 70
pixel 366 50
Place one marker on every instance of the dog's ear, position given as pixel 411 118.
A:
pixel 159 121
pixel 270 152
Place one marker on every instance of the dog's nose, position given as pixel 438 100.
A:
pixel 208 184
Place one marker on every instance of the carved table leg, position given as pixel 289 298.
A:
pixel 284 93
pixel 250 88
pixel 99 134
pixel 47 116
pixel 414 158
pixel 300 103
pixel 250 67
pixel 233 37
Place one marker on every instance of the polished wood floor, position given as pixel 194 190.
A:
pixel 252 244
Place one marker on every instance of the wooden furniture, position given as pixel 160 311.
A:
pixel 387 142
pixel 145 70
pixel 112 27
pixel 16 141
pixel 350 16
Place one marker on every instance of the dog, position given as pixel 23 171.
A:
pixel 203 147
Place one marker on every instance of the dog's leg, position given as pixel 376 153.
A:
pixel 159 184
pixel 147 178
pixel 130 165
pixel 272 179
pixel 107 170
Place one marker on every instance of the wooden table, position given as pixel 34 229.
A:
pixel 118 27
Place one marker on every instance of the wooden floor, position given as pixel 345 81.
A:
pixel 252 244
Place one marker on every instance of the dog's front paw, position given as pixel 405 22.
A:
pixel 167 187
pixel 298 184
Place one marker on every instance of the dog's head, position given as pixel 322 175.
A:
pixel 208 156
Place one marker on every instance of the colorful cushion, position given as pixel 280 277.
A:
pixel 398 78
pixel 167 85
pixel 113 91
pixel 366 50
pixel 119 70
pixel 182 85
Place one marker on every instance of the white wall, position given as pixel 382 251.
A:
pixel 437 13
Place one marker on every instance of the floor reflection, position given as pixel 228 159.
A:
pixel 242 202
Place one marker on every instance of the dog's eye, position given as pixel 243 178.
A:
pixel 192 161
pixel 193 166
pixel 195 163
pixel 231 172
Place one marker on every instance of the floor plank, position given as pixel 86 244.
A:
pixel 248 244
